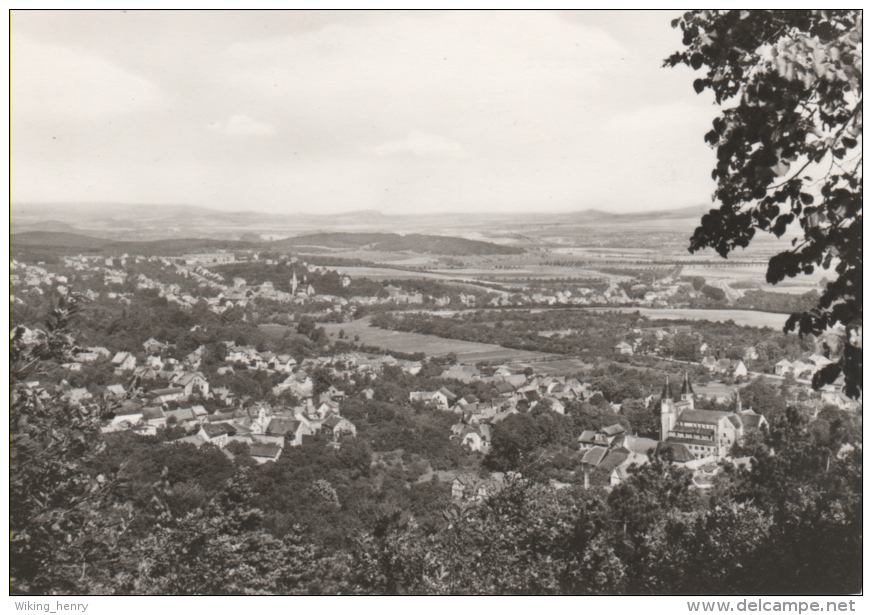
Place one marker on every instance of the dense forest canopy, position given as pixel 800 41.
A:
pixel 789 147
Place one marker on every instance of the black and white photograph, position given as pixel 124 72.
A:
pixel 436 303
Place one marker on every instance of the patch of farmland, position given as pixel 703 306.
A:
pixel 748 318
pixel 387 273
pixel 430 345
pixel 757 274
pixel 381 258
pixel 560 367
pixel 543 272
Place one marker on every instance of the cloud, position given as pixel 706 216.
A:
pixel 54 82
pixel 449 74
pixel 432 110
pixel 422 144
pixel 242 126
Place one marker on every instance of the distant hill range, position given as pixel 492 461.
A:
pixel 170 229
pixel 392 242
pixel 158 221
pixel 44 242
pixel 49 239
pixel 384 242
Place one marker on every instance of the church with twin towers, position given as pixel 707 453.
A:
pixel 704 433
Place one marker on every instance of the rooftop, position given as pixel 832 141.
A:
pixel 702 416
pixel 257 449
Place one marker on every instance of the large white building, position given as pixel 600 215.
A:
pixel 703 432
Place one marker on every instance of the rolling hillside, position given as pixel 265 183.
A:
pixel 392 242
pixel 50 239
pixel 64 243
pixel 61 243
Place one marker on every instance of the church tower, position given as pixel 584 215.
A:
pixel 667 411
pixel 294 283
pixel 687 391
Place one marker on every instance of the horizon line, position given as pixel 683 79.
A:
pixel 602 209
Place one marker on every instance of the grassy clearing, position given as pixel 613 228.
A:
pixel 757 276
pixel 430 345
pixel 740 317
pixel 561 367
pixel 387 273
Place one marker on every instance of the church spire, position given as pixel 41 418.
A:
pixel 667 390
pixel 686 387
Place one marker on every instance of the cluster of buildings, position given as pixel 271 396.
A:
pixel 240 294
pixel 209 286
pixel 700 440
pixel 221 296
pixel 703 433
pixel 801 369
pixel 508 394
pixel 569 297
pixel 658 293
pixel 478 488
pixel 650 341
pixel 162 392
pixel 101 269
pixel 31 277
pixel 209 258
pixel 734 369
pixel 267 430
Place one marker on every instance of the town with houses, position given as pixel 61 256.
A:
pixel 436 303
pixel 154 390
pixel 220 295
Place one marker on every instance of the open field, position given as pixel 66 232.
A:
pixel 582 263
pixel 757 275
pixel 560 367
pixel 378 257
pixel 753 273
pixel 740 317
pixel 387 273
pixel 533 271
pixel 430 345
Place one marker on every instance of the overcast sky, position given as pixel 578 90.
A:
pixel 329 112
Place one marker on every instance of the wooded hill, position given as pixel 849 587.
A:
pixel 65 243
pixel 392 242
